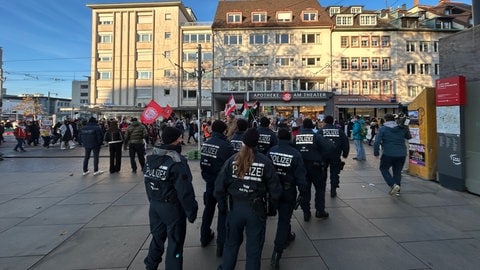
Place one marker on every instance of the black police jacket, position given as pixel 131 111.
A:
pixel 267 139
pixel 215 151
pixel 168 179
pixel 313 146
pixel 237 140
pixel 290 167
pixel 338 138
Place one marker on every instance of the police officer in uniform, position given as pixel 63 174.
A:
pixel 236 140
pixel 342 147
pixel 215 151
pixel 314 148
pixel 291 172
pixel 268 138
pixel 243 186
pixel 168 182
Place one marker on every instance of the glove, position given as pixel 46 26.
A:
pixel 272 210
pixel 192 217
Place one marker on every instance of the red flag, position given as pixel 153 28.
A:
pixel 167 111
pixel 231 106
pixel 151 112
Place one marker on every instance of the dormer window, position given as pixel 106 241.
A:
pixel 310 16
pixel 334 10
pixel 344 20
pixel 234 17
pixel 356 10
pixel 368 20
pixel 284 16
pixel 259 17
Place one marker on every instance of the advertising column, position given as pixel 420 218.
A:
pixel 450 99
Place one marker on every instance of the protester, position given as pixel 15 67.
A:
pixel 113 136
pixel 20 135
pixel 91 138
pixel 135 140
pixel 358 138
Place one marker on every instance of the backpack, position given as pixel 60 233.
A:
pixel 363 131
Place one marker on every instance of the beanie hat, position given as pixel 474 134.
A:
pixel 284 134
pixel 264 121
pixel 250 137
pixel 242 124
pixel 328 119
pixel 219 126
pixel 307 123
pixel 170 134
pixel 92 120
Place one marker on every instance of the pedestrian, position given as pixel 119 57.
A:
pixel 236 140
pixel 91 138
pixel 168 184
pixel 135 140
pixel 291 172
pixel 373 130
pixel 113 136
pixel 314 149
pixel 358 137
pixel 215 151
pixel 66 131
pixel 231 125
pixel 20 135
pixel 342 147
pixel 391 137
pixel 268 138
pixel 245 185
pixel 193 131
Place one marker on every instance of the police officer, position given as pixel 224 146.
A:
pixel 236 140
pixel 242 186
pixel 268 138
pixel 342 147
pixel 314 148
pixel 291 172
pixel 168 182
pixel 215 151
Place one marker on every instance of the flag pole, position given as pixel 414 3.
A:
pixel 199 97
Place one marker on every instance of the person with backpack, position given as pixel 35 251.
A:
pixel 20 135
pixel 359 133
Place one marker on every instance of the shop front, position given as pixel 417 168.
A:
pixel 347 106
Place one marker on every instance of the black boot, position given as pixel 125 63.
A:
pixel 275 262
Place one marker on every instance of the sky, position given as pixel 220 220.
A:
pixel 47 43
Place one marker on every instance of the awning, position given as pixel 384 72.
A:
pixel 378 106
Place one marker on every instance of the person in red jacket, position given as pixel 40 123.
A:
pixel 20 135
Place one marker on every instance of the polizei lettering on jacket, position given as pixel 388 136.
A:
pixel 237 144
pixel 264 138
pixel 254 173
pixel 210 150
pixel 281 159
pixel 331 133
pixel 159 173
pixel 304 139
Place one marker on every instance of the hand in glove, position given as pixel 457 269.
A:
pixel 192 217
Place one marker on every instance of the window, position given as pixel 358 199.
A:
pixel 168 16
pixel 259 17
pixel 231 61
pixel 84 86
pixel 365 63
pixel 439 24
pixel 105 38
pixel 285 61
pixel 344 41
pixel 143 93
pixel 167 73
pixel 232 39
pixel 436 69
pixel 168 35
pixel 258 39
pixel 188 75
pixel 344 63
pixel 344 20
pixel 410 46
pixel 355 42
pixel 365 41
pixel 166 92
pixel 424 46
pixel 282 38
pixel 386 63
pixel 258 61
pixel 207 56
pixel 310 38
pixel 334 10
pixel 144 37
pixel 355 87
pixel 376 87
pixel 354 63
pixel 144 75
pixel 189 94
pixel 104 57
pixel 375 41
pixel 375 63
pixel 311 61
pixel 356 10
pixel 144 55
pixel 166 54
pixel 284 16
pixel 426 69
pixel 189 56
pixel 310 16
pixel 368 20
pixel 413 91
pixel 435 46
pixel 386 87
pixel 365 87
pixel 204 38
pixel 104 75
pixel 385 41
pixel 411 68
pixel 345 87
pixel 234 17
pixel 105 19
pixel 144 17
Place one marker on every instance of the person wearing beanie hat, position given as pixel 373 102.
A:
pixel 342 147
pixel 168 184
pixel 247 181
pixel 215 151
pixel 291 172
pixel 236 140
pixel 268 138
pixel 314 148
pixel 91 138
